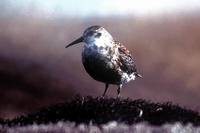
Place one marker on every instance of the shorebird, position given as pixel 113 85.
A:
pixel 105 59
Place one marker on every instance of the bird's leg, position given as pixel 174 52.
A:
pixel 106 88
pixel 118 90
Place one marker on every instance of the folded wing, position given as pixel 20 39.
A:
pixel 126 61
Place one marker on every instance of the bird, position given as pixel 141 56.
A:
pixel 105 59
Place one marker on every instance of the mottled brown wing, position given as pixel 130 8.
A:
pixel 127 64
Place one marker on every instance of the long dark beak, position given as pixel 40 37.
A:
pixel 75 42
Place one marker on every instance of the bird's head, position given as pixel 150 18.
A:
pixel 92 35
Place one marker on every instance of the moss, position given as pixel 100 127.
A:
pixel 102 110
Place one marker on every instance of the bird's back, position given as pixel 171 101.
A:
pixel 126 61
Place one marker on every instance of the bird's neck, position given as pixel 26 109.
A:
pixel 98 46
pixel 99 43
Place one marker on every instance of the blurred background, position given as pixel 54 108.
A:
pixel 36 70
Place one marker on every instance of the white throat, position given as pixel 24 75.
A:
pixel 99 45
pixel 101 42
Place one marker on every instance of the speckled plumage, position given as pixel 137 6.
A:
pixel 105 59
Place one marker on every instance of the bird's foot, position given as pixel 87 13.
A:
pixel 102 97
pixel 118 96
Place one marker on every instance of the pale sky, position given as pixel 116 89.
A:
pixel 100 7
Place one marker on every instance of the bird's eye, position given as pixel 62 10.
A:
pixel 98 35
pixel 90 33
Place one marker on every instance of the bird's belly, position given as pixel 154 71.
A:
pixel 101 68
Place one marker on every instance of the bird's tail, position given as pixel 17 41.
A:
pixel 138 75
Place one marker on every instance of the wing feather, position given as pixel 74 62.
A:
pixel 126 61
